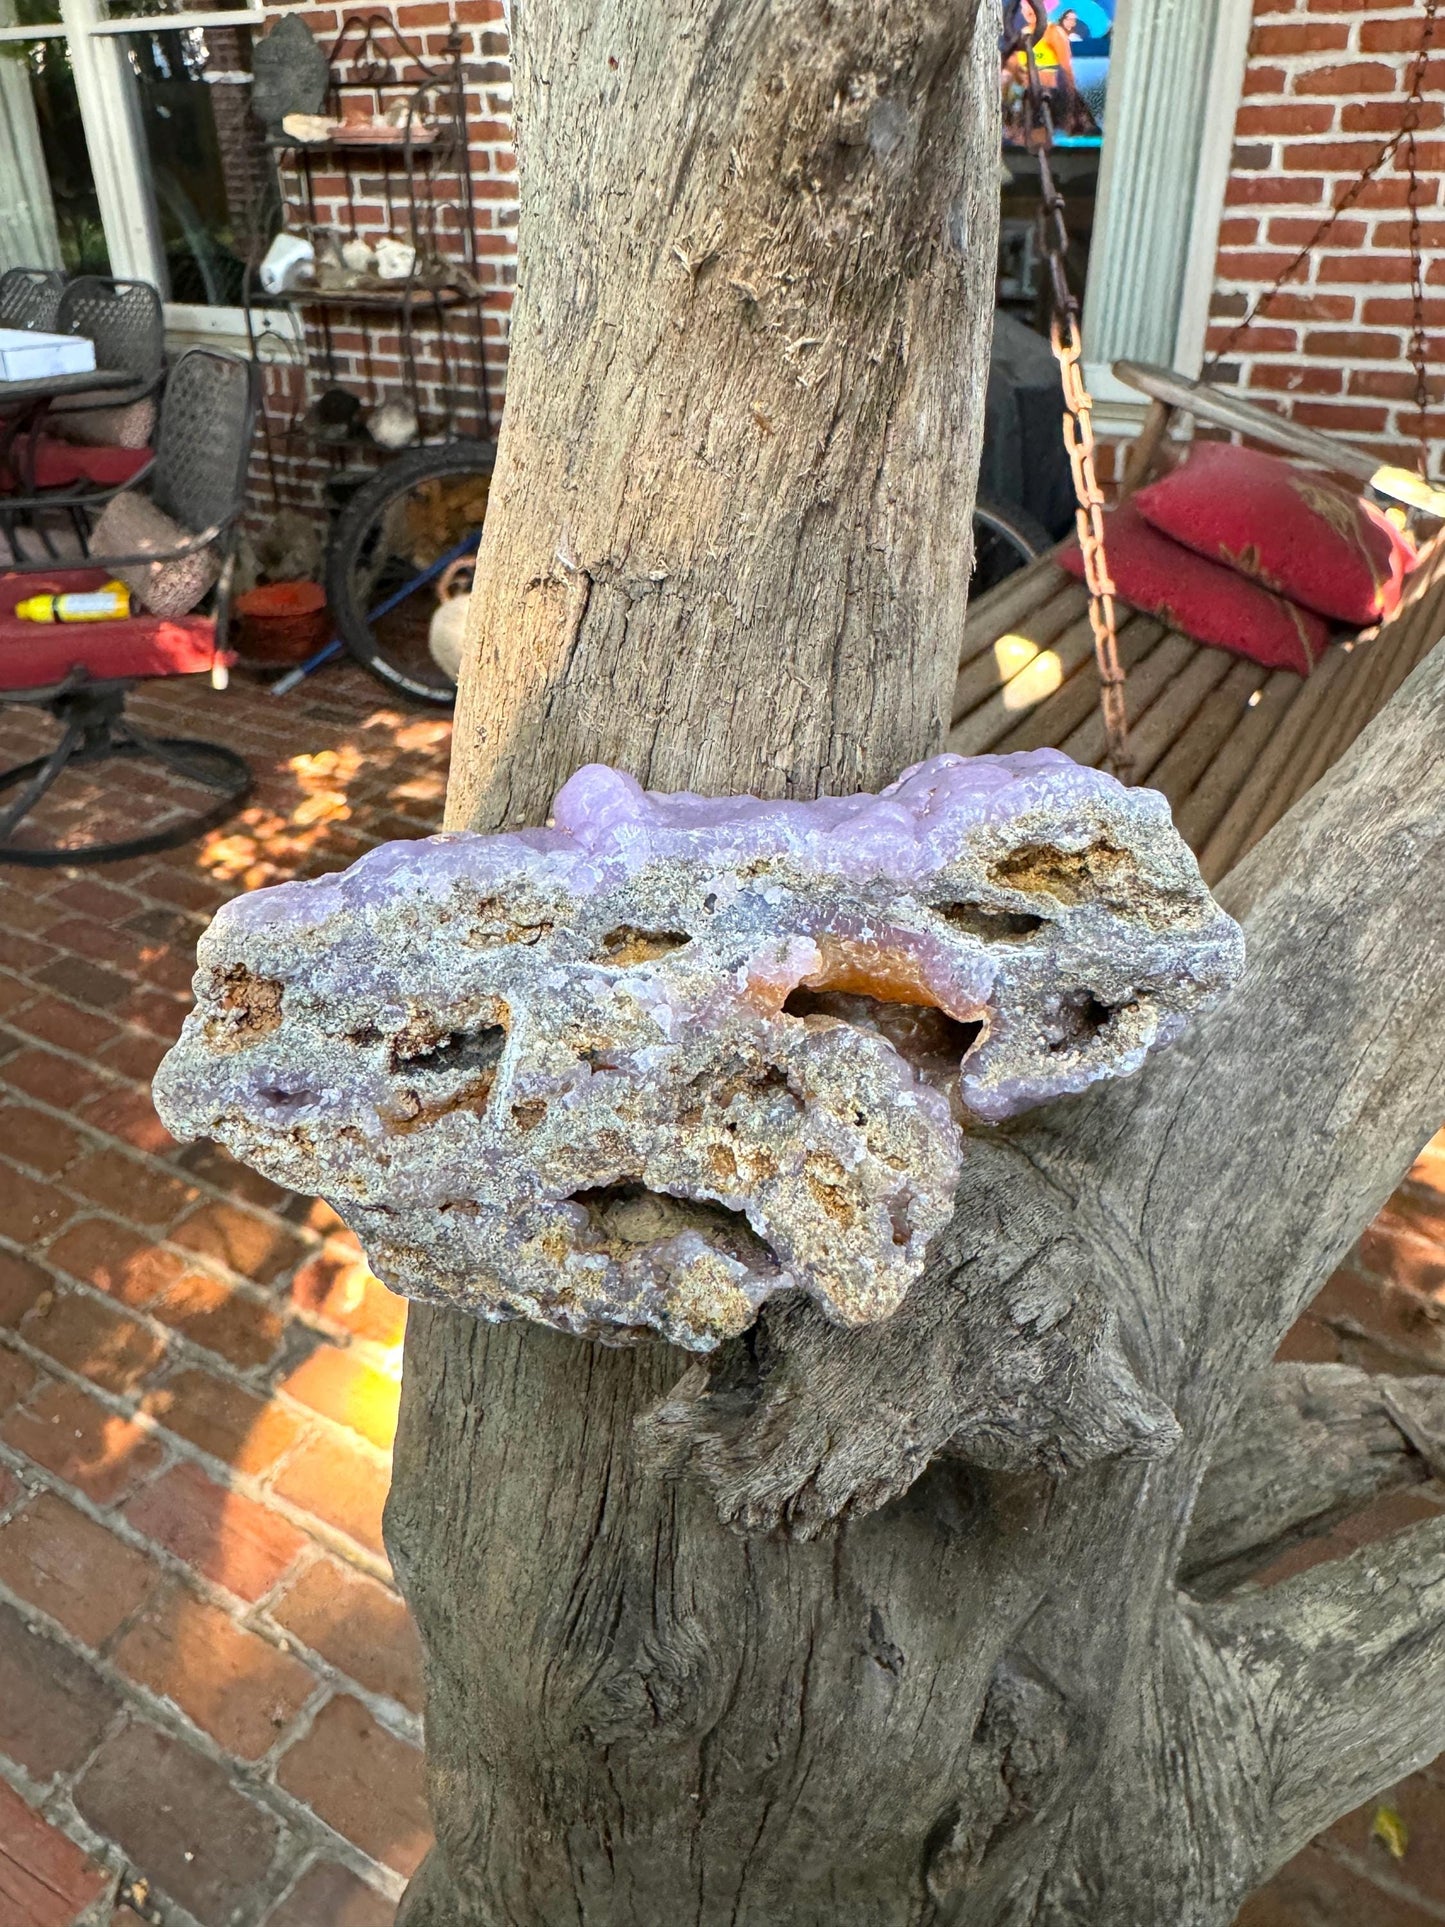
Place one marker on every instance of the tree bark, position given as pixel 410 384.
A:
pixel 882 1628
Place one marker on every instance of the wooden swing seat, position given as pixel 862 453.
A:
pixel 1231 744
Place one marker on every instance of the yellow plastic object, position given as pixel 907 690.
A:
pixel 105 604
pixel 1403 485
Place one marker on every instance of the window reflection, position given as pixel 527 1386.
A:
pixel 49 214
pixel 207 159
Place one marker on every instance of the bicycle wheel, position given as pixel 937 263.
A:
pixel 391 543
pixel 1004 540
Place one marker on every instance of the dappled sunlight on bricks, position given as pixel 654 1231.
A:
pixel 198 1387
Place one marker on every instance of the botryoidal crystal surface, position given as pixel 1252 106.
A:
pixel 637 1071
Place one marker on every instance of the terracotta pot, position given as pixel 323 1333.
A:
pixel 281 622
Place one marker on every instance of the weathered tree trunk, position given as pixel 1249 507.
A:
pixel 885 1628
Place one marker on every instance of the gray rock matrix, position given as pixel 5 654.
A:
pixel 635 1072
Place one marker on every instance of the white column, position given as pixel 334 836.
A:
pixel 1173 91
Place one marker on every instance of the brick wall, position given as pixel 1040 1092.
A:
pixel 367 350
pixel 1324 88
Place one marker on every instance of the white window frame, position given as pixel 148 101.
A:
pixel 115 142
pixel 1120 408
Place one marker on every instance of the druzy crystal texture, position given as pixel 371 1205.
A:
pixel 637 1071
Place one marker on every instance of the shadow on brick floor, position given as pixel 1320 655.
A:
pixel 209 1689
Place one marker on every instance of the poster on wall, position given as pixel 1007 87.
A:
pixel 1072 56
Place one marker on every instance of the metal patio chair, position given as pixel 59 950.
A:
pixel 82 674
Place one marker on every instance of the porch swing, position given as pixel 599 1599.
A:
pixel 1048 661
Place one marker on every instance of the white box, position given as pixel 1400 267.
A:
pixel 28 355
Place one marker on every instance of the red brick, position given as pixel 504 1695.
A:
pixel 17 1379
pixel 1285 117
pixel 45 1879
pixel 23 954
pixel 29 1210
pixel 128 1114
pixel 223 1320
pixel 247 1433
pixel 21 1284
pixel 179 1820
pixel 231 1683
pixel 258 1247
pixel 363 1629
pixel 362 1781
pixel 73 1569
pixel 67 1025
pixel 337 1485
pixel 55 1080
pixel 1317 1890
pixel 35 1139
pixel 32 914
pixel 1351 77
pixel 1368 265
pixel 342 1388
pixel 225 1536
pixel 84 983
pixel 329 1894
pixel 115 1259
pixel 1245 190
pixel 1294 230
pixel 133 1054
pixel 89 898
pixel 95 1340
pixel 130 1187
pixel 81 1441
pixel 1341 418
pixel 1306 37
pixel 184 888
pixel 96 941
pixel 53 1707
pixel 1382 116
pixel 154 1010
pixel 1344 344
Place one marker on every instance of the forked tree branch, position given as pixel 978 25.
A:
pixel 1344 1667
pixel 1199 1204
pixel 1243 1165
pixel 1310 1445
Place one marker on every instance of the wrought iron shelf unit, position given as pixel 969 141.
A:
pixel 419 177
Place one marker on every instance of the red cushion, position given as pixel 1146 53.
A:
pixel 35 654
pixel 1285 527
pixel 1203 598
pixel 65 464
pixel 62 464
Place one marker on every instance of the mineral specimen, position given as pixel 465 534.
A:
pixel 636 1072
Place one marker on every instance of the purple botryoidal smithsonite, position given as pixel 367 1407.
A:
pixel 638 1071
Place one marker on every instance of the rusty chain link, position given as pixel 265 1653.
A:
pixel 1066 336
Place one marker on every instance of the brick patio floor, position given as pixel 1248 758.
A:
pixel 209 1690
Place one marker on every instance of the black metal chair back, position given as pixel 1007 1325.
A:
pixel 208 416
pixel 125 321
pixel 30 298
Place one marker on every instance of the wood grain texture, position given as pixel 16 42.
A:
pixel 728 540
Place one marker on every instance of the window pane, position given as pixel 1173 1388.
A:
pixel 29 13
pixel 208 162
pixel 49 216
pixel 159 9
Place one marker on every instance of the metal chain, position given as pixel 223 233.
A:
pixel 1403 139
pixel 1066 336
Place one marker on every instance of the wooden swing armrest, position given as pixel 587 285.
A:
pixel 1210 404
